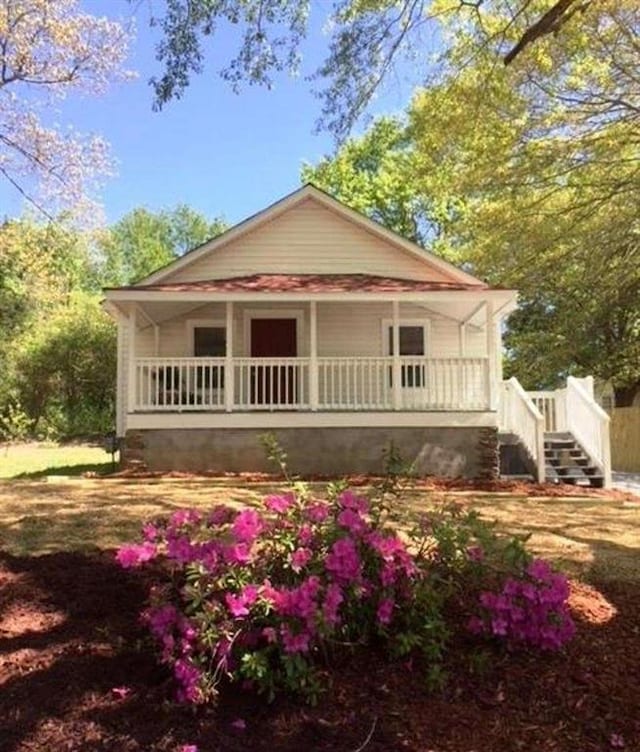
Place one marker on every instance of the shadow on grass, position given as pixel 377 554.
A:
pixel 97 468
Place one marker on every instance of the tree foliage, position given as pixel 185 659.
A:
pixel 65 370
pixel 58 348
pixel 538 166
pixel 143 241
pixel 48 49
pixel 368 38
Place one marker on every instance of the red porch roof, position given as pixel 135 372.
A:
pixel 312 283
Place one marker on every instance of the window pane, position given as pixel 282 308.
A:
pixel 209 341
pixel 411 340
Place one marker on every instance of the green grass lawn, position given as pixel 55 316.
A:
pixel 35 460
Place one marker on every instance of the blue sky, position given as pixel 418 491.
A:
pixel 221 153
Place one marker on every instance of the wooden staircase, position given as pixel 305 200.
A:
pixel 559 436
pixel 567 462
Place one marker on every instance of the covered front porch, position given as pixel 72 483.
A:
pixel 209 353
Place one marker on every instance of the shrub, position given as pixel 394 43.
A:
pixel 267 596
pixel 529 610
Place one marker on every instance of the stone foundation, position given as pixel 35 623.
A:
pixel 468 452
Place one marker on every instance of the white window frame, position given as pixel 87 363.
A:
pixel 193 324
pixel 387 324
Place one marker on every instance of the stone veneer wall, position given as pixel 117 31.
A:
pixel 452 452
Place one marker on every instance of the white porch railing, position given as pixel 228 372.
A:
pixel 271 383
pixel 167 384
pixel 519 415
pixel 589 424
pixel 364 384
pixel 354 384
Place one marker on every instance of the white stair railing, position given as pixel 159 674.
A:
pixel 518 415
pixel 589 424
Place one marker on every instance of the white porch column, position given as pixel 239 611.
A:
pixel 229 376
pixel 491 357
pixel 499 373
pixel 462 339
pixel 397 367
pixel 132 325
pixel 313 355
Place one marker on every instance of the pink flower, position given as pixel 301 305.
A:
pixel 300 558
pixel 149 531
pixel 616 741
pixel 317 512
pixel 185 517
pixel 239 724
pixel 475 553
pixel 305 535
pixel 349 500
pixel 188 748
pixel 352 521
pixel 270 634
pixel 247 526
pixel 134 555
pixel 220 514
pixel 238 554
pixel 295 643
pixel 343 561
pixel 332 600
pixel 279 504
pixel 239 605
pixel 121 692
pixel 188 678
pixel 385 610
pixel 180 549
pixel 539 569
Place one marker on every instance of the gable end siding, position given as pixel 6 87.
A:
pixel 308 239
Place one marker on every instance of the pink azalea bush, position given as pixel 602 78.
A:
pixel 262 596
pixel 528 610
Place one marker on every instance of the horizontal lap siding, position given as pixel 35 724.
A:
pixel 344 329
pixel 308 239
pixel 476 340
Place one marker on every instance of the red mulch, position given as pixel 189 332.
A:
pixel 69 640
pixel 427 483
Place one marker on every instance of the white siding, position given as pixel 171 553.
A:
pixel 344 329
pixel 308 239
pixel 476 340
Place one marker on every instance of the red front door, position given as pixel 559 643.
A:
pixel 273 384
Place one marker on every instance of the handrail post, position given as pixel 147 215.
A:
pixel 540 459
pixel 606 451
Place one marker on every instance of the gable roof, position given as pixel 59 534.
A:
pixel 310 191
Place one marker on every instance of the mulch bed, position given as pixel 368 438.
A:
pixel 77 674
pixel 426 483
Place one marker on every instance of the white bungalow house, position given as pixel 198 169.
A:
pixel 313 322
